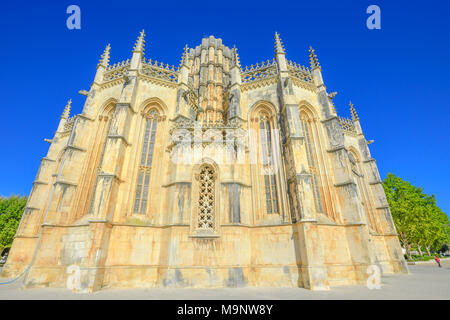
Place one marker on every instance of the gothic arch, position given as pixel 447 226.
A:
pixel 58 160
pixel 107 108
pixel 153 102
pixel 354 153
pixel 262 105
pixel 305 106
pixel 266 164
pixel 145 171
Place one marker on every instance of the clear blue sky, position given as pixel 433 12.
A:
pixel 397 77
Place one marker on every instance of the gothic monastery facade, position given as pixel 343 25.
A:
pixel 206 175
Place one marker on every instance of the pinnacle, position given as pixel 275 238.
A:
pixel 104 60
pixel 314 62
pixel 66 112
pixel 279 48
pixel 140 43
pixel 353 112
pixel 236 59
pixel 184 56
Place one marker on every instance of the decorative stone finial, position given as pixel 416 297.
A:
pixel 353 112
pixel 313 61
pixel 184 56
pixel 279 48
pixel 331 96
pixel 104 60
pixel 66 112
pixel 236 59
pixel 140 43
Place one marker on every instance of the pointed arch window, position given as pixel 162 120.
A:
pixel 145 164
pixel 312 162
pixel 267 163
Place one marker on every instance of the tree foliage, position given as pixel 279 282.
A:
pixel 418 219
pixel 11 210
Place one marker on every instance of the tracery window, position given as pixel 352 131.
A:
pixel 268 165
pixel 206 199
pixel 145 165
pixel 312 162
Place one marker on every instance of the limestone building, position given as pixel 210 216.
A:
pixel 206 175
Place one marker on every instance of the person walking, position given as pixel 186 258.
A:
pixel 438 261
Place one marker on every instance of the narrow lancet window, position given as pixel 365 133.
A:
pixel 268 165
pixel 145 165
pixel 312 162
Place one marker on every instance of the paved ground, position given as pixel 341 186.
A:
pixel 425 281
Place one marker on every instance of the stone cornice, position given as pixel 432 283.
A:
pixel 39 182
pixel 175 183
pixel 119 136
pixel 111 83
pixel 74 148
pixel 26 237
pixel 337 149
pixel 369 160
pixel 82 115
pixel 68 183
pixel 304 85
pixel 345 183
pixel 112 175
pixel 236 182
pixel 32 208
pixel 160 82
pixel 259 83
pixel 329 119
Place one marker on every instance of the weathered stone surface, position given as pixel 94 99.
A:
pixel 206 176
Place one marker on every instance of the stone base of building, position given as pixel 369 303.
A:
pixel 123 277
pixel 264 256
pixel 126 277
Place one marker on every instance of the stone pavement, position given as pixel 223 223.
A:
pixel 425 281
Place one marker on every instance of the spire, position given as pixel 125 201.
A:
pixel 353 112
pixel 66 112
pixel 313 61
pixel 184 56
pixel 104 60
pixel 236 59
pixel 279 48
pixel 140 43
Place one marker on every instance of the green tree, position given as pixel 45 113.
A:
pixel 418 219
pixel 400 196
pixel 11 210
